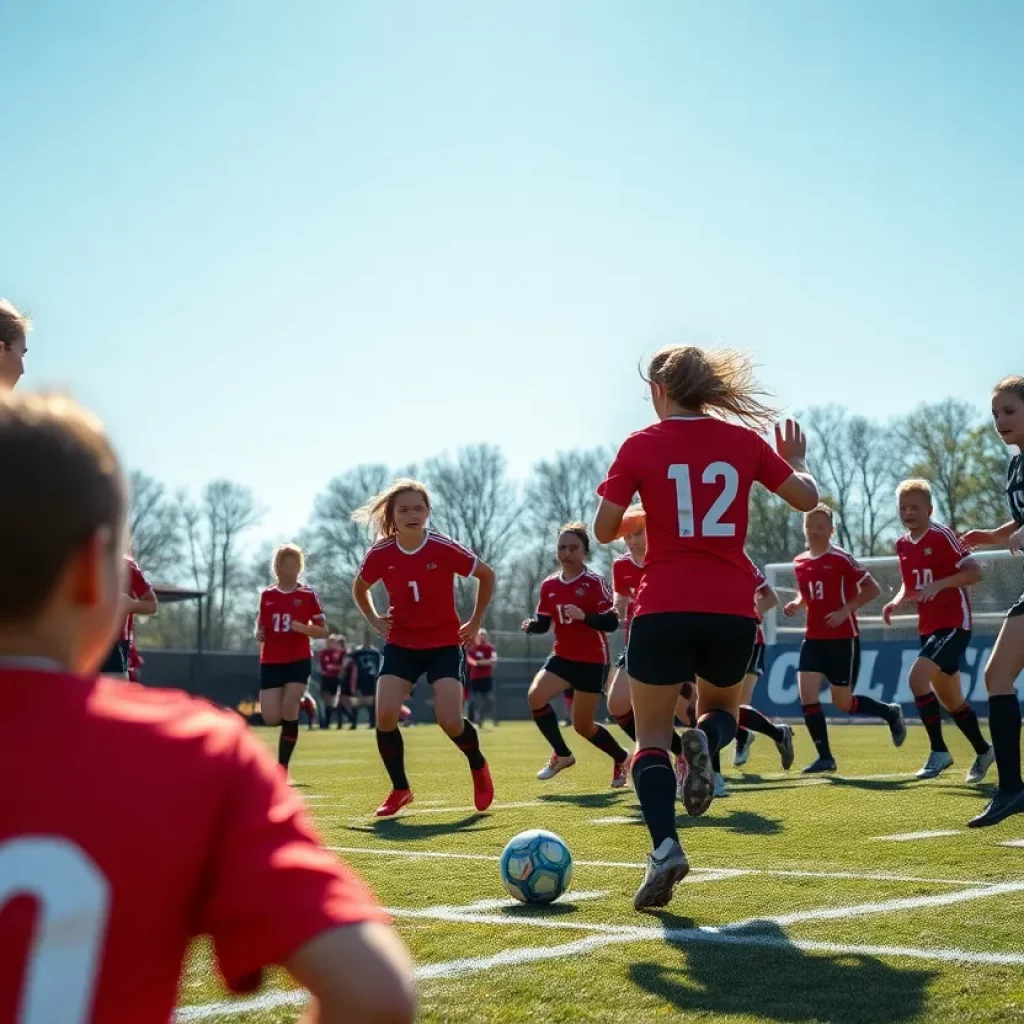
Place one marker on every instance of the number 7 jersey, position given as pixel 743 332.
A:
pixel 694 476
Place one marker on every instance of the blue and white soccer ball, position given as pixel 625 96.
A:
pixel 536 866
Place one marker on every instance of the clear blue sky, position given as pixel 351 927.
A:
pixel 269 241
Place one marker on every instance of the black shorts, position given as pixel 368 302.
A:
pixel 669 648
pixel 837 660
pixel 945 648
pixel 585 676
pixel 409 664
pixel 117 660
pixel 329 685
pixel 481 685
pixel 755 667
pixel 272 677
pixel 1017 608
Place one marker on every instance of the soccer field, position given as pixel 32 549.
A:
pixel 859 899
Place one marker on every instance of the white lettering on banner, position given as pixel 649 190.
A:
pixel 904 695
pixel 782 689
pixel 866 684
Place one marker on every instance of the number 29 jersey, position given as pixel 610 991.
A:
pixel 694 475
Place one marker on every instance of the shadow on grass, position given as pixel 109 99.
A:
pixel 401 829
pixel 774 980
pixel 559 909
pixel 595 801
pixel 748 823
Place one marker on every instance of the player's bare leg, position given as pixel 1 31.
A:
pixel 744 737
pixel 392 692
pixel 620 704
pixel 448 708
pixel 544 688
pixel 951 696
pixel 584 707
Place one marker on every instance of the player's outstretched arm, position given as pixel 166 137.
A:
pixel 996 538
pixel 360 974
pixel 800 491
pixel 766 599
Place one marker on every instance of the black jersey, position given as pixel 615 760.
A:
pixel 367 661
pixel 1015 488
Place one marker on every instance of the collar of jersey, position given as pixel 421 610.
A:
pixel 416 550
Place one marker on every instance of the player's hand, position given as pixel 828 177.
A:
pixel 973 539
pixel 887 612
pixel 928 591
pixel 573 613
pixel 791 609
pixel 468 631
pixel 1016 542
pixel 525 627
pixel 835 619
pixel 791 443
pixel 381 625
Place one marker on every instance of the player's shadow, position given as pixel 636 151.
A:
pixel 593 801
pixel 559 909
pixel 407 829
pixel 758 972
pixel 741 822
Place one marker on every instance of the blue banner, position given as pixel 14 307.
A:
pixel 884 670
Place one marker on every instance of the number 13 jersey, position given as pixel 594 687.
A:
pixel 574 639
pixel 693 475
pixel 421 588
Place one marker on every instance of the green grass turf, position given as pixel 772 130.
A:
pixel 771 822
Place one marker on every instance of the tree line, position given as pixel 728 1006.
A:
pixel 204 542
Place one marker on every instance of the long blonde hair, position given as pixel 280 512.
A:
pixel 379 511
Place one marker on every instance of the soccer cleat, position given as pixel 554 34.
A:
pixel 820 767
pixel 555 765
pixel 699 787
pixel 397 799
pixel 785 747
pixel 938 761
pixel 981 765
pixel 483 788
pixel 666 868
pixel 620 773
pixel 741 755
pixel 897 726
pixel 681 770
pixel 1001 807
pixel 720 789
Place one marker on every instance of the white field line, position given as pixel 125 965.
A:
pixel 909 837
pixel 853 876
pixel 605 934
pixel 1013 842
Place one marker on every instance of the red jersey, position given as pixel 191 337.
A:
pixel 421 588
pixel 278 610
pixel 575 640
pixel 136 586
pixel 331 661
pixel 694 476
pixel 760 582
pixel 826 582
pixel 626 577
pixel 102 887
pixel 939 553
pixel 480 652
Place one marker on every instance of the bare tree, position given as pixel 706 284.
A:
pixel 155 527
pixel 871 450
pixel 834 464
pixel 564 488
pixel 775 531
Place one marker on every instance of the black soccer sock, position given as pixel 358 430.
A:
pixel 547 721
pixel 391 748
pixel 742 736
pixel 716 761
pixel 1004 719
pixel 603 740
pixel 677 744
pixel 967 722
pixel 371 712
pixel 868 707
pixel 627 724
pixel 751 719
pixel 814 719
pixel 931 717
pixel 655 785
pixel 327 716
pixel 287 740
pixel 719 727
pixel 468 741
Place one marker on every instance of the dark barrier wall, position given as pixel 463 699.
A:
pixel 231 678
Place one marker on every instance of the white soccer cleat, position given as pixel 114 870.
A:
pixel 981 765
pixel 720 789
pixel 666 868
pixel 555 765
pixel 620 773
pixel 938 761
pixel 741 757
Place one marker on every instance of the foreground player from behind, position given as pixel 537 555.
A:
pixel 102 887
pixel 833 586
pixel 937 570
pixel 579 604
pixel 418 567
pixel 1006 662
pixel 290 616
pixel 695 607
pixel 14 328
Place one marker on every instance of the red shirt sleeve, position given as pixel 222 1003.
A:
pixel 957 551
pixel 855 573
pixel 623 479
pixel 618 585
pixel 460 560
pixel 544 606
pixel 605 597
pixel 316 609
pixel 138 585
pixel 771 469
pixel 371 570
pixel 271 886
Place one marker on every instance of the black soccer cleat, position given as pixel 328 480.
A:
pixel 897 726
pixel 1001 807
pixel 820 767
pixel 785 747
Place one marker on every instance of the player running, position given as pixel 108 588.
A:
pixel 363 669
pixel 936 570
pixel 418 567
pixel 290 615
pixel 694 614
pixel 579 603
pixel 481 656
pixel 331 659
pixel 164 818
pixel 1006 661
pixel 832 586
pixel 14 328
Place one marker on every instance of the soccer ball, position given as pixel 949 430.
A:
pixel 536 866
